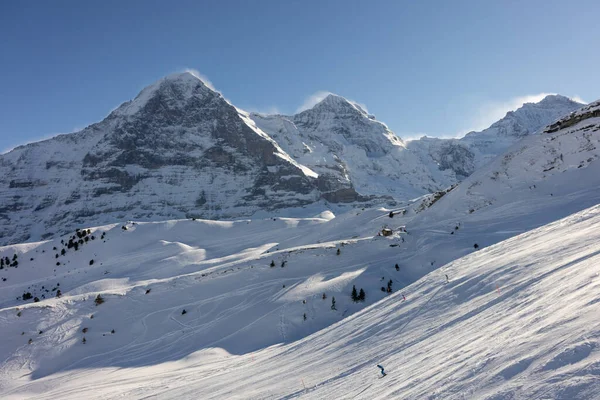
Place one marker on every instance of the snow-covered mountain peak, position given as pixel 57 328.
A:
pixel 554 99
pixel 531 117
pixel 338 105
pixel 171 91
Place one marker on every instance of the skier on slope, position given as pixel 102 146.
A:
pixel 382 371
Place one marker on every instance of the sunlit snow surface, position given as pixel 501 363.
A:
pixel 518 318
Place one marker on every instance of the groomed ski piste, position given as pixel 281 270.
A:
pixel 517 317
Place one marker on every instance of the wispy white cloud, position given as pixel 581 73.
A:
pixel 202 77
pixel 578 99
pixel 492 111
pixel 313 100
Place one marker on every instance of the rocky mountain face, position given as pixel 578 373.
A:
pixel 461 157
pixel 338 139
pixel 179 149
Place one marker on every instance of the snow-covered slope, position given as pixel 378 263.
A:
pixel 538 167
pixel 461 157
pixel 516 320
pixel 178 149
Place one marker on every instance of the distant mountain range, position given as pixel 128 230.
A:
pixel 180 149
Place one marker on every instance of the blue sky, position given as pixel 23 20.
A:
pixel 423 67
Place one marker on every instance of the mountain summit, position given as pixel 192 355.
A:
pixel 180 149
pixel 459 158
pixel 176 88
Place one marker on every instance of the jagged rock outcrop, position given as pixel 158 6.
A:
pixel 178 149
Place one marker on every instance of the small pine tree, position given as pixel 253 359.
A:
pixel 91 262
pixel 58 293
pixel 62 252
pixel 272 263
pixel 112 331
pixel 476 246
pixel 333 303
pixel 383 289
pixel 36 299
pixel 361 295
pixel 354 294
pixel 15 257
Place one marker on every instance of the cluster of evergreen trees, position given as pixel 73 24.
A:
pixel 357 296
pixel 6 262
pixel 81 236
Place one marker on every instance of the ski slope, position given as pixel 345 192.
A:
pixel 518 319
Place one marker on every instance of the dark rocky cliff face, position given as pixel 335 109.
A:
pixel 178 150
